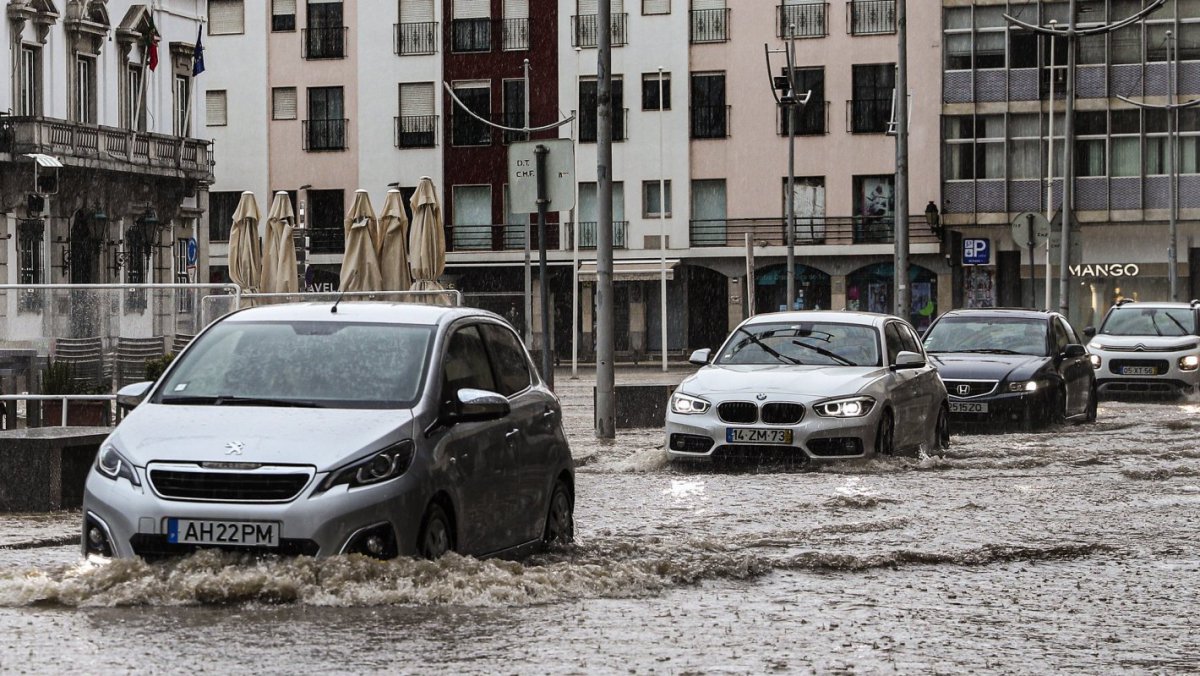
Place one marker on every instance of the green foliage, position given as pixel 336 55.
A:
pixel 156 367
pixel 61 378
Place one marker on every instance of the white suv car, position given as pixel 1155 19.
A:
pixel 1147 347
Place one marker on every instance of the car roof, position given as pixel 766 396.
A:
pixel 1157 304
pixel 1024 313
pixel 833 316
pixel 380 312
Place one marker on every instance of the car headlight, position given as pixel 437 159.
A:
pixel 851 407
pixel 389 463
pixel 684 404
pixel 1189 362
pixel 1096 360
pixel 112 465
pixel 1023 386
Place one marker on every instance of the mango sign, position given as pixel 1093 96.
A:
pixel 1106 270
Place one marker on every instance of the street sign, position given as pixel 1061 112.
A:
pixel 1030 228
pixel 977 251
pixel 560 175
pixel 191 251
pixel 1076 252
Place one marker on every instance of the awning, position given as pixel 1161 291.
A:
pixel 45 160
pixel 630 271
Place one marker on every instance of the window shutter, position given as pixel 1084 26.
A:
pixel 516 9
pixel 586 7
pixel 708 4
pixel 215 111
pixel 472 9
pixel 416 11
pixel 284 104
pixel 618 6
pixel 416 99
pixel 283 7
pixel 226 17
pixel 656 6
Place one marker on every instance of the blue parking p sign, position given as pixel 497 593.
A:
pixel 191 251
pixel 976 251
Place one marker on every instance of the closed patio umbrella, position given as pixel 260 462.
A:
pixel 360 265
pixel 244 251
pixel 427 240
pixel 279 249
pixel 393 245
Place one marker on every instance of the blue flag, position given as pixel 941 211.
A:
pixel 198 59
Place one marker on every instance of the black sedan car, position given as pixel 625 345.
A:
pixel 1004 366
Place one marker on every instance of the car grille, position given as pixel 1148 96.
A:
pixel 738 412
pixel 776 413
pixel 1148 348
pixel 836 447
pixel 963 389
pixel 154 547
pixel 228 486
pixel 1160 365
pixel 760 453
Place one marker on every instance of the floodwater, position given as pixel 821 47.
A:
pixel 1073 550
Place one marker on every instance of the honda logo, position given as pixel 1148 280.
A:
pixel 963 390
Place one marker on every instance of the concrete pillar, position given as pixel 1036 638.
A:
pixel 945 292
pixel 587 314
pixel 637 320
pixel 737 302
pixel 837 292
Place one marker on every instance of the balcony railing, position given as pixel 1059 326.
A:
pixel 325 135
pixel 465 130
pixel 416 131
pixel 515 34
pixel 107 148
pixel 868 116
pixel 324 43
pixel 827 230
pixel 514 119
pixel 585 30
pixel 587 235
pixel 327 240
pixel 710 121
pixel 809 20
pixel 501 237
pixel 413 39
pixel 471 35
pixel 811 120
pixel 710 25
pixel 588 127
pixel 871 17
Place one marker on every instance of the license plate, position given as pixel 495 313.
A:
pixel 968 407
pixel 746 435
pixel 1138 371
pixel 229 533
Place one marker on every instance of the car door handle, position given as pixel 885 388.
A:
pixel 512 433
pixel 549 413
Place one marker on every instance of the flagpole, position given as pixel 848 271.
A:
pixel 187 116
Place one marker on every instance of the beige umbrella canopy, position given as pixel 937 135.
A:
pixel 244 256
pixel 427 239
pixel 360 266
pixel 393 244
pixel 279 249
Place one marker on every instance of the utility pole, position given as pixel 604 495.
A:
pixel 1072 35
pixel 1049 171
pixel 791 183
pixel 903 304
pixel 662 225
pixel 529 246
pixel 606 421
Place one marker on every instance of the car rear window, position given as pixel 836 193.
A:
pixel 1149 321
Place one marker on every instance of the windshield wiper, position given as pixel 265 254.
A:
pixel 826 353
pixel 770 350
pixel 992 350
pixel 231 400
pixel 1176 322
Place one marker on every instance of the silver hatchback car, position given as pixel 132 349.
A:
pixel 382 429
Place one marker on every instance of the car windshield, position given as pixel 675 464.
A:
pixel 319 364
pixel 988 335
pixel 1149 321
pixel 806 343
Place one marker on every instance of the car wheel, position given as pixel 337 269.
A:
pixel 1058 415
pixel 560 522
pixel 941 431
pixel 1092 404
pixel 885 436
pixel 436 537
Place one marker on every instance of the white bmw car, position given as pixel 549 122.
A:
pixel 810 385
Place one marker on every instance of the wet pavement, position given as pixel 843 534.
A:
pixel 1071 550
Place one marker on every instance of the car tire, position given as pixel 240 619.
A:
pixel 1058 415
pixel 885 436
pixel 1092 405
pixel 437 537
pixel 560 519
pixel 941 430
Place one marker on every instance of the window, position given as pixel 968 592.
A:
pixel 805 17
pixel 325 221
pixel 226 17
pixel 974 147
pixel 417 32
pixel 709 21
pixel 472 227
pixel 895 345
pixel 1189 141
pixel 417 125
pixel 1156 159
pixel 652 199
pixel 471 30
pixel 181 94
pixel 215 111
pixel 587 210
pixel 514 109
pixel 708 226
pixel 650 7
pixel 509 362
pixel 871 109
pixel 466 364
pixel 650 91
pixel 283 103
pixel 133 100
pixel 808 205
pixel 1092 129
pixel 588 109
pixel 1025 147
pixel 585 25
pixel 1126 150
pixel 710 115
pixel 872 17
pixel 183 302
pixel 29 82
pixel 956 43
pixel 810 118
pixel 991 30
pixel 283 15
pixel 325 128
pixel 84 109
pixel 221 206
pixel 325 37
pixel 466 130
pixel 516 25
pixel 30 233
pixel 874 208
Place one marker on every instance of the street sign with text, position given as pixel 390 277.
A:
pixel 560 175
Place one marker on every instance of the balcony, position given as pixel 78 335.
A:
pixel 324 43
pixel 871 17
pixel 710 122
pixel 709 25
pixel 414 39
pixel 325 135
pixel 501 237
pixel 514 34
pixel 585 30
pixel 868 116
pixel 416 131
pixel 811 119
pixel 471 35
pixel 809 20
pixel 825 230
pixel 587 235
pixel 107 148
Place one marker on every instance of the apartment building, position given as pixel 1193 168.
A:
pixel 997 85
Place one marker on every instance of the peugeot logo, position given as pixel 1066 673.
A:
pixel 234 448
pixel 963 390
pixel 761 397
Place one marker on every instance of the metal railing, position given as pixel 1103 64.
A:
pixel 327 240
pixel 871 17
pixel 827 230
pixel 811 120
pixel 325 135
pixel 416 131
pixel 324 43
pixel 471 35
pixel 585 31
pixel 709 25
pixel 514 34
pixel 64 402
pixel 497 237
pixel 413 39
pixel 710 121
pixel 588 127
pixel 868 116
pixel 587 234
pixel 810 20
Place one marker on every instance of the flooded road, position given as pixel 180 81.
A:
pixel 1072 550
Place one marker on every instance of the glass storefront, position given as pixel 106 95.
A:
pixel 871 289
pixel 813 289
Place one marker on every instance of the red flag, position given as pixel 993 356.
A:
pixel 152 44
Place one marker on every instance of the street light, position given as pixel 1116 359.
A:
pixel 934 220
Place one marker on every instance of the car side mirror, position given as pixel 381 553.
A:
pixel 1089 332
pixel 130 396
pixel 471 405
pixel 701 357
pixel 1074 351
pixel 909 360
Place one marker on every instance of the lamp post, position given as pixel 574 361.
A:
pixel 662 224
pixel 934 220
